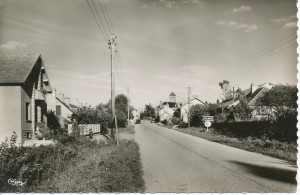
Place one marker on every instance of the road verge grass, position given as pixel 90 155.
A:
pixel 282 150
pixel 112 168
pixel 75 164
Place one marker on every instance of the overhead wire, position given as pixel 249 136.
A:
pixel 99 17
pixel 103 13
pixel 94 15
pixel 108 16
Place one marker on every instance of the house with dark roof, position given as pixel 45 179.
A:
pixel 24 84
pixel 252 94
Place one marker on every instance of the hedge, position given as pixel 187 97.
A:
pixel 282 130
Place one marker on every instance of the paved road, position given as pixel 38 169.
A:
pixel 177 162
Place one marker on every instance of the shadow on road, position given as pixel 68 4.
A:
pixel 273 173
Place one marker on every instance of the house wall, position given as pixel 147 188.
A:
pixel 10 115
pixel 52 102
pixel 185 108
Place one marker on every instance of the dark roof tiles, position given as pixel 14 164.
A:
pixel 14 69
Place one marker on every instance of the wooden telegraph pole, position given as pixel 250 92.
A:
pixel 189 114
pixel 113 48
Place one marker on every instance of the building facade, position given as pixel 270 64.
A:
pixel 23 88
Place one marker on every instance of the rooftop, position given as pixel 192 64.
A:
pixel 14 69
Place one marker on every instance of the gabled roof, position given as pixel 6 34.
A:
pixel 64 104
pixel 256 95
pixel 192 100
pixel 172 94
pixel 14 69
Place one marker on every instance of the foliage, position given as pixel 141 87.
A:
pixel 175 120
pixel 43 131
pixel 197 112
pixel 34 165
pixel 149 111
pixel 177 113
pixel 282 98
pixel 283 130
pixel 52 120
pixel 102 114
pixel 110 168
pixel 278 149
pixel 242 111
pixel 225 86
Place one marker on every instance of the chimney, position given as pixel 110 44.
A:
pixel 251 86
pixel 68 101
pixel 160 104
pixel 54 93
pixel 233 92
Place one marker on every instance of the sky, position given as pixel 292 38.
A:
pixel 164 46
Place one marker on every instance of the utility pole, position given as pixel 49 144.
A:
pixel 128 104
pixel 113 48
pixel 189 114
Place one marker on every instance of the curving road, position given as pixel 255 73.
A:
pixel 177 162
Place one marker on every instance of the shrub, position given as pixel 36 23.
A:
pixel 175 120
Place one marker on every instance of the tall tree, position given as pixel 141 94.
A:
pixel 149 110
pixel 226 91
pixel 282 98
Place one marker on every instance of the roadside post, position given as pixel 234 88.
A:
pixel 208 121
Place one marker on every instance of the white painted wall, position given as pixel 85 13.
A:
pixel 10 112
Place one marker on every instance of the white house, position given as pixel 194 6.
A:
pixel 166 109
pixel 62 109
pixel 185 109
pixel 135 114
pixel 166 113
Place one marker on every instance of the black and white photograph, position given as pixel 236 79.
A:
pixel 148 96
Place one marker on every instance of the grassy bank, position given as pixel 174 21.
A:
pixel 108 169
pixel 75 165
pixel 282 150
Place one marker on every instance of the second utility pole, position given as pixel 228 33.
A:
pixel 113 49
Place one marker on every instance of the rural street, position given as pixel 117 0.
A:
pixel 177 162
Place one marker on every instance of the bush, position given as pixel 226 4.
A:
pixel 36 164
pixel 284 130
pixel 175 121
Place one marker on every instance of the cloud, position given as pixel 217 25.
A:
pixel 284 20
pixel 145 6
pixel 242 9
pixel 13 45
pixel 194 2
pixel 238 26
pixel 168 3
pixel 290 25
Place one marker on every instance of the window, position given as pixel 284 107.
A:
pixel 28 111
pixel 58 110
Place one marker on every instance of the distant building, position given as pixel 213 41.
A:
pixel 166 109
pixel 185 109
pixel 172 97
pixel 252 94
pixel 62 109
pixel 135 114
pixel 24 84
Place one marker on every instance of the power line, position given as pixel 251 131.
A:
pixel 99 17
pixel 108 17
pixel 106 40
pixel 103 13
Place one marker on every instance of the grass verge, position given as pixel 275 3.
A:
pixel 282 150
pixel 75 164
pixel 108 169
